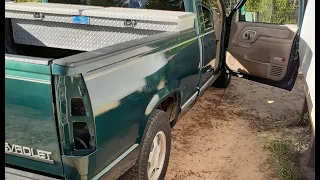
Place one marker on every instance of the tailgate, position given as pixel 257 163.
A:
pixel 31 138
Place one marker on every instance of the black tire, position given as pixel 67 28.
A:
pixel 158 121
pixel 223 80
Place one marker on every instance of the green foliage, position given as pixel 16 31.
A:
pixel 275 11
pixel 213 4
pixel 285 153
pixel 253 5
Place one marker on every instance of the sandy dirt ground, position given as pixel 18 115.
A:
pixel 224 134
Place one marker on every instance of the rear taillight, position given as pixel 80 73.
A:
pixel 75 117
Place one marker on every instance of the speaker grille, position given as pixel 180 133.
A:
pixel 276 71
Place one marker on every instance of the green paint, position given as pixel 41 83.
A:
pixel 29 118
pixel 27 67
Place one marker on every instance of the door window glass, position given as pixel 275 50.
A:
pixel 271 11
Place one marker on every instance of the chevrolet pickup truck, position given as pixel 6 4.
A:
pixel 79 106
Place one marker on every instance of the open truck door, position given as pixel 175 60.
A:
pixel 262 41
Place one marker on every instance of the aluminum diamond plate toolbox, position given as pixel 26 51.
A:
pixel 45 11
pixel 141 18
pixel 87 28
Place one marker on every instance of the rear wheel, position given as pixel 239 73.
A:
pixel 157 156
pixel 153 159
pixel 223 80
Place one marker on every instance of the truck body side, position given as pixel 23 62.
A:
pixel 115 88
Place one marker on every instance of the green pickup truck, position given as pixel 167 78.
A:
pixel 81 113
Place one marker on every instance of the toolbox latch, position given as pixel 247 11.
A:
pixel 130 23
pixel 38 15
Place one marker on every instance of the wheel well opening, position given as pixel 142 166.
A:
pixel 172 107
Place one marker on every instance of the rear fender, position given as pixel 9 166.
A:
pixel 156 100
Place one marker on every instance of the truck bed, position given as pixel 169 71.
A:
pixel 68 57
pixel 30 40
pixel 33 52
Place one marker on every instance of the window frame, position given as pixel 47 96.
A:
pixel 238 17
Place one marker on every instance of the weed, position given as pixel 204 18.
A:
pixel 285 155
pixel 304 119
pixel 293 119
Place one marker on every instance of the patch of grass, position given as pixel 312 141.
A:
pixel 293 119
pixel 304 119
pixel 287 145
pixel 285 156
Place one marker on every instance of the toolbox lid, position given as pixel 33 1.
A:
pixel 50 8
pixel 138 14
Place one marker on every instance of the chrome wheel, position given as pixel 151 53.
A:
pixel 156 156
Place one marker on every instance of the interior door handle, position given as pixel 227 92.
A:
pixel 248 34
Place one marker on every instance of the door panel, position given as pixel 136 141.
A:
pixel 266 48
pixel 259 49
pixel 262 50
